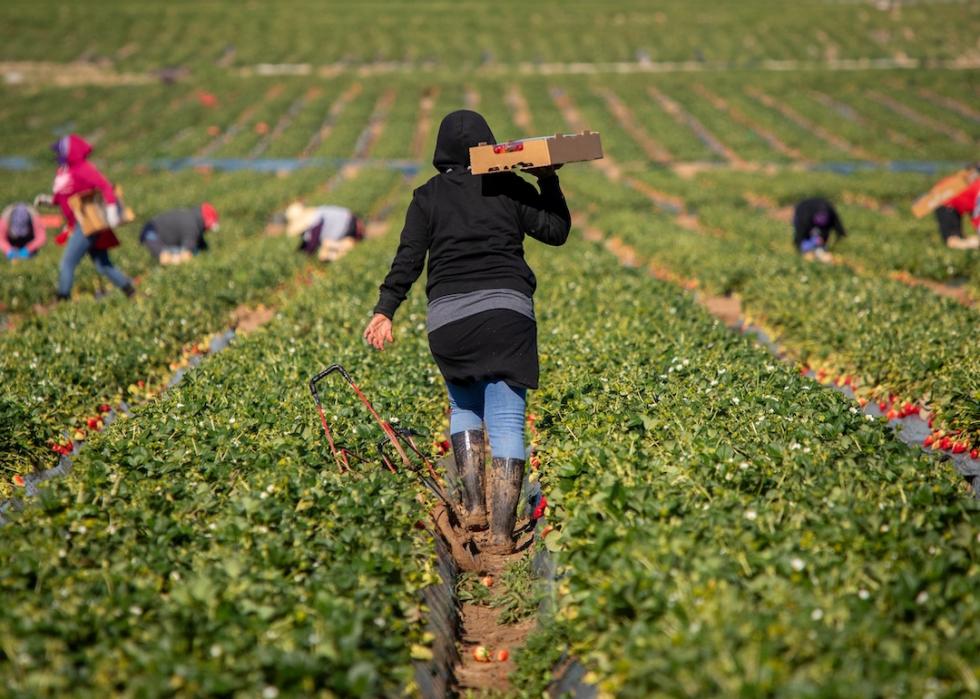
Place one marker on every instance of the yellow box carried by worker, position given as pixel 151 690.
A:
pixel 90 211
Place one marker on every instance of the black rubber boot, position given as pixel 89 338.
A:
pixel 63 297
pixel 129 290
pixel 506 479
pixel 469 450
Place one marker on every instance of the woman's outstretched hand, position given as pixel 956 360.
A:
pixel 378 331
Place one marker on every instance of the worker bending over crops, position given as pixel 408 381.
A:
pixel 177 235
pixel 814 220
pixel 481 324
pixel 21 232
pixel 76 175
pixel 325 231
pixel 950 215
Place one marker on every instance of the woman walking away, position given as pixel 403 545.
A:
pixel 481 326
pixel 76 175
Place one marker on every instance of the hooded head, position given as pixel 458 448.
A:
pixel 71 149
pixel 458 132
pixel 21 225
pixel 210 216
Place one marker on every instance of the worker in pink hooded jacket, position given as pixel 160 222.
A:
pixel 75 175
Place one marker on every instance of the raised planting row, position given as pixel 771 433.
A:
pixel 723 526
pixel 58 368
pixel 892 338
pixel 883 236
pixel 749 34
pixel 735 118
pixel 745 118
pixel 210 546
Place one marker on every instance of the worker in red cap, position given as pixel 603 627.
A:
pixel 177 235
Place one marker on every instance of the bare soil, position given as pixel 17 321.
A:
pixel 480 625
pixel 67 74
pixel 246 319
pixel 727 309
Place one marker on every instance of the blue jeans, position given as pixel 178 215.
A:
pixel 497 404
pixel 75 250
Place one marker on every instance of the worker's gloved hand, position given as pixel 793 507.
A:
pixel 11 254
pixel 813 242
pixel 112 216
pixel 23 253
pixel 62 237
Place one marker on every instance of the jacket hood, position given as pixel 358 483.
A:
pixel 458 132
pixel 20 221
pixel 71 149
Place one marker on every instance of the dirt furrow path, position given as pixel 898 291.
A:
pixel 365 141
pixel 471 98
pixel 284 121
pixel 376 124
pixel 654 150
pixel 739 117
pixel 670 203
pixel 423 125
pixel 804 123
pixel 922 120
pixel 569 111
pixel 330 120
pixel 243 118
pixel 685 118
pixel 951 103
pixel 520 110
pixel 847 112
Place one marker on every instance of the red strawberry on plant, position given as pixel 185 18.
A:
pixel 945 443
pixel 94 423
pixel 19 481
pixel 975 454
pixel 104 408
pixel 540 508
pixel 882 406
pixel 928 441
pixel 959 447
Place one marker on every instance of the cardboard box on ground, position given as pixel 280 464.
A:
pixel 535 152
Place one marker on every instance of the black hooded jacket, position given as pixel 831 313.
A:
pixel 803 222
pixel 472 227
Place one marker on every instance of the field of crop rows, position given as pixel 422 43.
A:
pixel 760 471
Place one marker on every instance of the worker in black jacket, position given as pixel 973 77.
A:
pixel 481 325
pixel 175 236
pixel 814 220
